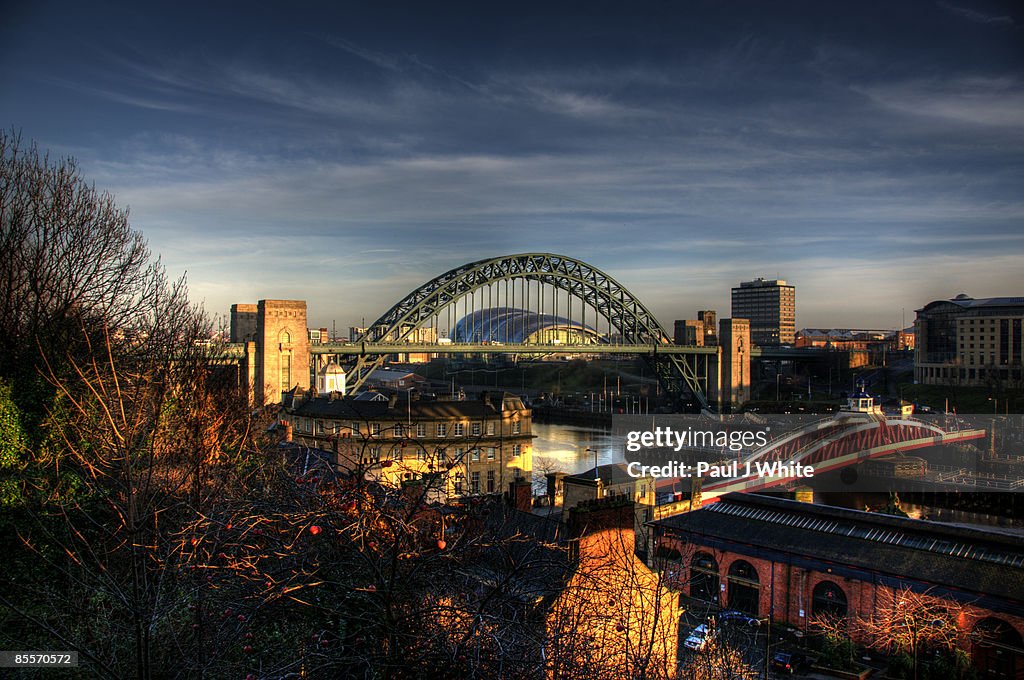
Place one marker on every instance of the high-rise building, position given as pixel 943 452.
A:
pixel 770 306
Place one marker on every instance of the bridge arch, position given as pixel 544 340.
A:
pixel 596 289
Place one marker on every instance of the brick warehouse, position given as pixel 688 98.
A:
pixel 739 552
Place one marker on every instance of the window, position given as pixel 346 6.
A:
pixel 517 427
pixel 828 599
pixel 442 430
pixel 460 429
pixel 374 429
pixel 355 429
pixel 475 429
pixel 374 453
pixel 286 371
pixel 490 481
pixel 474 482
pixel 704 583
pixel 491 452
pixel 517 449
pixel 320 426
pixel 421 453
pixel 421 430
pixel 459 480
pixel 474 455
pixel 490 429
pixel 743 592
pixel 398 432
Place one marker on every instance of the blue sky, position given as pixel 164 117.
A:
pixel 870 153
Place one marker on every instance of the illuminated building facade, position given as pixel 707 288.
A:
pixel 477 446
pixel 965 341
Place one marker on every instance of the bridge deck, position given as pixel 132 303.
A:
pixel 367 348
pixel 757 483
pixel 359 348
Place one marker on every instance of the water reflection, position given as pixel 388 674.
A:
pixel 563 448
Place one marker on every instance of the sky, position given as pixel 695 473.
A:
pixel 870 153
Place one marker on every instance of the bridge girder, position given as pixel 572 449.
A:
pixel 608 297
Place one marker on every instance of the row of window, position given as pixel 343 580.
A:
pixel 399 431
pixel 488 453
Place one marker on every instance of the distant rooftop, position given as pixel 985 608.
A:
pixel 613 473
pixel 763 283
pixel 359 408
pixel 966 302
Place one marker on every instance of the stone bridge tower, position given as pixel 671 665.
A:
pixel 277 355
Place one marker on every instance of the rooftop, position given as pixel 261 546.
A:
pixel 763 283
pixel 614 473
pixel 968 303
pixel 979 560
pixel 401 408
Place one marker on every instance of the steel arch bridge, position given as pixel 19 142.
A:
pixel 638 328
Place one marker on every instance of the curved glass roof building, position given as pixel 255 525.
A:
pixel 511 325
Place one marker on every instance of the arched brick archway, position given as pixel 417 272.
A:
pixel 744 588
pixel 997 649
pixel 828 600
pixel 704 577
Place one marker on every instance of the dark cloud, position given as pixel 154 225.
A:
pixel 679 147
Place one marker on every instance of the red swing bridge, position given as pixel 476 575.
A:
pixel 856 433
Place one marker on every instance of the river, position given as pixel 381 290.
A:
pixel 563 448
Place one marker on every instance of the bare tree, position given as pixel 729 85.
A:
pixel 150 438
pixel 903 621
pixel 910 621
pixel 68 256
pixel 724 657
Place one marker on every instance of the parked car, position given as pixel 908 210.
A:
pixel 735 617
pixel 789 662
pixel 698 638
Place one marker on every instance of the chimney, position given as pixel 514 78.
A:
pixel 392 400
pixel 520 494
pixel 610 512
pixel 287 430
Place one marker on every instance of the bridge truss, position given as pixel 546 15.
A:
pixel 835 443
pixel 542 281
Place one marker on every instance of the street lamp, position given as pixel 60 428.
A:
pixel 594 451
pixel 767 644
pixel 995 405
